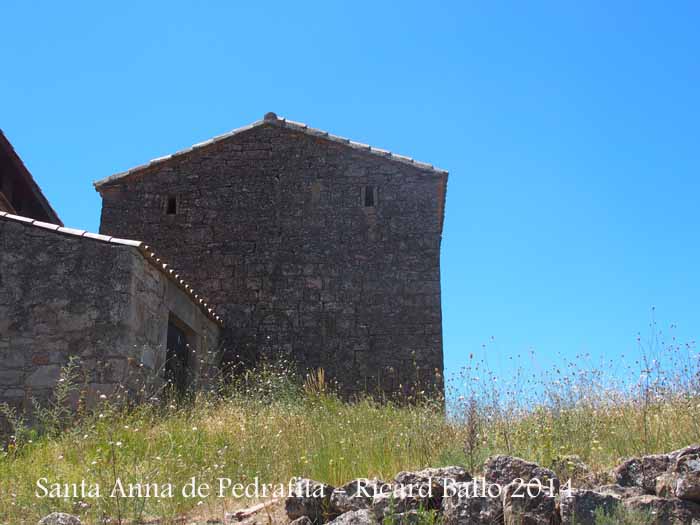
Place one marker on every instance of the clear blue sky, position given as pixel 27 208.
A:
pixel 570 130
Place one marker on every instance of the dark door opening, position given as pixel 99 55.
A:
pixel 176 358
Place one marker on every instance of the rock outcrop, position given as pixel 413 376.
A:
pixel 573 467
pixel 642 472
pixel 357 494
pixel 527 504
pixel 471 503
pixel 663 488
pixel 400 500
pixel 504 469
pixel 311 499
pixel 579 507
pixel 682 480
pixel 435 477
pixel 665 511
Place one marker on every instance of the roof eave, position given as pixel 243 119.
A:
pixel 281 122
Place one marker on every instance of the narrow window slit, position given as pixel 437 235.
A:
pixel 171 208
pixel 369 196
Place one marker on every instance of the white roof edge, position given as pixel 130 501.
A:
pixel 279 121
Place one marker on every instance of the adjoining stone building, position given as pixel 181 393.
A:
pixel 112 302
pixel 19 192
pixel 310 246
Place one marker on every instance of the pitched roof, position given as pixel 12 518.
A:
pixel 19 166
pixel 274 120
pixel 145 250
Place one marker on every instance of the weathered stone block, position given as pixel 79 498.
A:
pixel 470 504
pixel 528 504
pixel 11 377
pixel 44 376
pixel 642 472
pixel 579 507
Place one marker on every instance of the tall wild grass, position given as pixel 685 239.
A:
pixel 272 426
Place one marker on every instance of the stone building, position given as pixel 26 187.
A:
pixel 19 192
pixel 309 245
pixel 111 302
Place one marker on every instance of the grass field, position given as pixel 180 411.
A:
pixel 273 427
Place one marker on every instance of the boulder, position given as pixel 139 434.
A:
pixel 309 498
pixel 400 500
pixel 664 511
pixel 579 507
pixel 529 504
pixel 414 490
pixel 666 485
pixel 304 520
pixel 469 503
pixel 687 469
pixel 573 468
pixel 690 449
pixel 642 472
pixel 436 478
pixel 60 518
pixel 357 494
pixel 505 469
pixel 356 517
pixel 433 480
pixel 620 491
pixel 682 480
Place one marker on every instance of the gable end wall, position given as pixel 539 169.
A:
pixel 271 227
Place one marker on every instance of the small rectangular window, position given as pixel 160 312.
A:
pixel 171 207
pixel 369 197
pixel 330 326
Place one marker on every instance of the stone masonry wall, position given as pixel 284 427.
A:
pixel 271 225
pixel 65 295
pixel 154 300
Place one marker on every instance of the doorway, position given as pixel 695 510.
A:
pixel 177 357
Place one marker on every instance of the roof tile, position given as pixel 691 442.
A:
pixel 72 231
pixel 127 242
pixel 379 151
pixel 18 218
pixel 360 145
pixel 97 236
pixel 46 225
